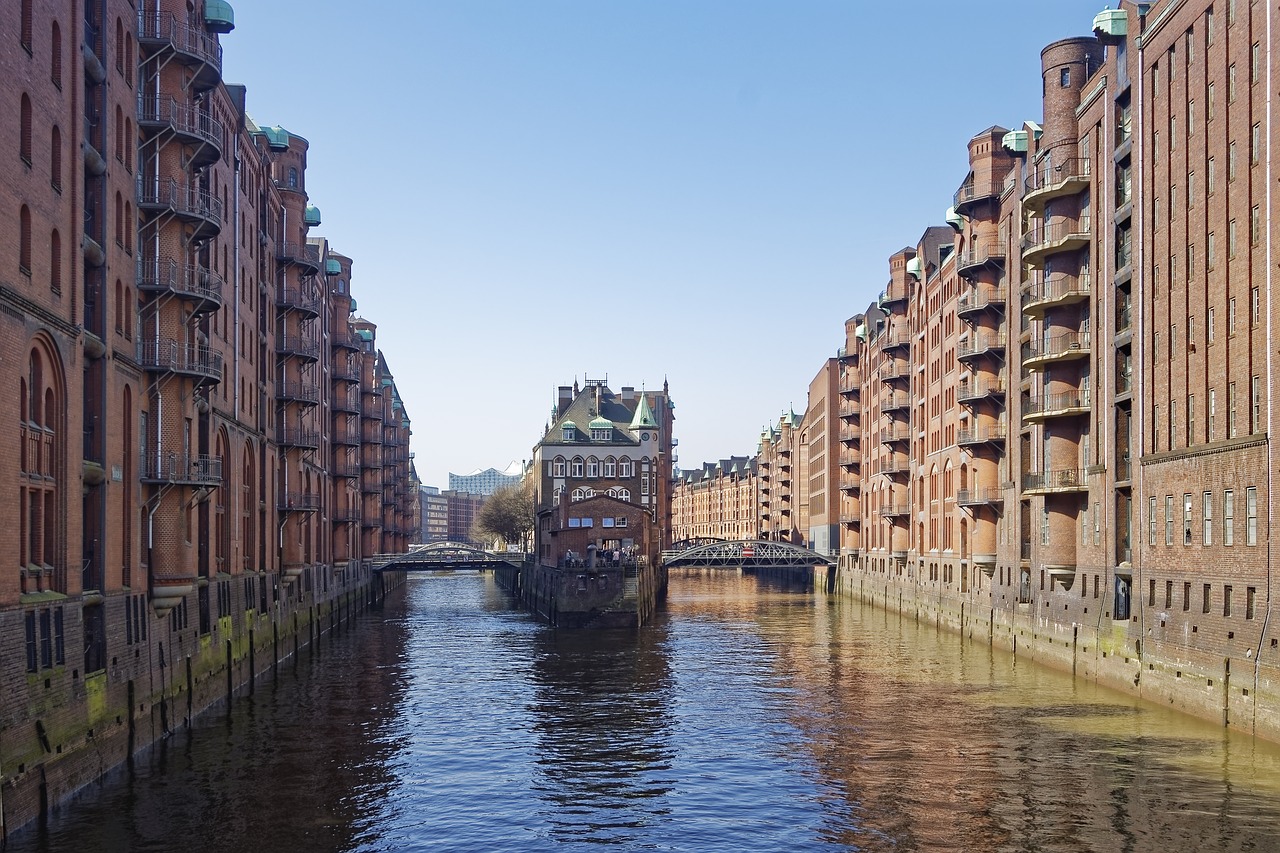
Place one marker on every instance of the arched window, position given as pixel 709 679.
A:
pixel 613 493
pixel 575 468
pixel 625 468
pixel 293 178
pixel 555 495
pixel 624 494
pixel 126 559
pixel 119 134
pixel 577 495
pixel 610 467
pixel 128 317
pixel 55 261
pixel 25 25
pixel 24 130
pixel 55 158
pixel 24 240
pixel 119 219
pixel 40 517
pixel 593 467
pixel 128 58
pixel 557 467
pixel 119 46
pixel 246 505
pixel 55 55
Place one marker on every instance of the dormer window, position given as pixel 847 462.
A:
pixel 568 431
pixel 605 434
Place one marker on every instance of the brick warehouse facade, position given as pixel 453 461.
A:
pixel 1055 417
pixel 210 447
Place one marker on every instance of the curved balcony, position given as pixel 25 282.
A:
pixel 894 294
pixel 981 436
pixel 1063 234
pixel 371 460
pixel 849 436
pixel 304 255
pixel 974 258
pixel 1049 180
pixel 194 47
pixel 287 436
pixel 345 340
pixel 345 468
pixel 1050 482
pixel 899 435
pixel 894 371
pixel 1063 346
pixel 372 436
pixel 298 346
pixel 193 125
pixel 181 469
pixel 295 299
pixel 981 299
pixel 1060 405
pixel 347 515
pixel 347 436
pixel 298 392
pixel 972 390
pixel 894 469
pixel 974 192
pixel 980 497
pixel 198 208
pixel 894 340
pixel 852 487
pixel 1054 291
pixel 198 361
pixel 980 345
pixel 895 511
pixel 344 404
pixel 373 409
pixel 345 374
pixel 199 286
pixel 299 502
pixel 895 404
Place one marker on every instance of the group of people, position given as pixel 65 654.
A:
pixel 604 557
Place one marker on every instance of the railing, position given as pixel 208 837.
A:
pixel 895 510
pixel 299 391
pixel 893 338
pixel 894 402
pixel 298 253
pixel 975 390
pixel 976 256
pixel 1048 175
pixel 345 374
pixel 345 468
pixel 183 199
pixel 1056 288
pixel 1124 317
pixel 372 410
pixel 976 497
pixel 349 436
pixel 343 403
pixel 186 119
pixel 1059 402
pixel 1064 343
pixel 189 281
pixel 164 27
pixel 982 435
pixel 981 298
pixel 297 345
pixel 287 436
pixel 892 371
pixel 294 297
pixel 299 502
pixel 171 356
pixel 199 469
pixel 979 344
pixel 1066 478
pixel 344 340
pixel 976 190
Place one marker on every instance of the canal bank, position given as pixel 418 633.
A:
pixel 62 730
pixel 1235 683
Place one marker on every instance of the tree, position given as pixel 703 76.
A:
pixel 507 515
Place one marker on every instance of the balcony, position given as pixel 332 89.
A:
pixel 894 468
pixel 371 459
pixel 198 361
pixel 295 299
pixel 198 208
pixel 981 299
pixel 181 469
pixel 298 392
pixel 347 515
pixel 974 192
pixel 850 410
pixel 299 502
pixel 303 255
pixel 193 125
pixel 850 520
pixel 980 497
pixel 895 404
pixel 895 436
pixel 344 404
pixel 345 373
pixel 372 436
pixel 194 47
pixel 1055 291
pixel 974 258
pixel 982 435
pixel 851 488
pixel 979 345
pixel 1061 405
pixel 895 511
pixel 1063 234
pixel 373 409
pixel 893 340
pixel 1064 346
pixel 850 436
pixel 287 436
pixel 347 436
pixel 893 371
pixel 345 340
pixel 1048 181
pixel 1059 481
pixel 345 468
pixel 893 295
pixel 972 390
pixel 297 346
pixel 199 286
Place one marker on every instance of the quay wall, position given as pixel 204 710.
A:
pixel 61 730
pixel 1236 686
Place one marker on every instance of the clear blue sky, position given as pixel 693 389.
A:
pixel 701 190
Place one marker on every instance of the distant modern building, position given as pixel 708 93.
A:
pixel 435 515
pixel 486 482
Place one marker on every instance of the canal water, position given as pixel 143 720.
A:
pixel 749 717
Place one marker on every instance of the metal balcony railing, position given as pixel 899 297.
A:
pixel 1047 176
pixel 1065 479
pixel 198 360
pixel 1065 401
pixel 181 468
pixel 188 281
pixel 1067 344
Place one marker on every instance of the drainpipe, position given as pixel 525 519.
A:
pixel 1266 619
pixel 1138 286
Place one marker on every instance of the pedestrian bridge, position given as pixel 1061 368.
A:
pixel 445 557
pixel 747 553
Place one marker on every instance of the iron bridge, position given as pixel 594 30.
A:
pixel 750 553
pixel 444 557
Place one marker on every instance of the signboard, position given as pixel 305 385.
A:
pixel 748 551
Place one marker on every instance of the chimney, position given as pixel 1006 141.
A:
pixel 564 398
pixel 628 393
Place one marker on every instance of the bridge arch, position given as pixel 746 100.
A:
pixel 747 552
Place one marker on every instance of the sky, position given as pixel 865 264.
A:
pixel 692 191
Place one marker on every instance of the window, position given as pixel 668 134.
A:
pixel 1213 413
pixel 610 467
pixel 624 495
pixel 24 130
pixel 25 26
pixel 593 467
pixel 55 55
pixel 575 468
pixel 1255 143
pixel 1151 521
pixel 1064 77
pixel 567 432
pixel 626 468
pixel 1231 410
pixel 1231 238
pixel 55 158
pixel 55 262
pixel 1186 519
pixel 557 467
pixel 1186 596
pixel 293 178
pixel 1255 420
pixel 1205 598
pixel 576 495
pixel 1228 517
pixel 1255 225
pixel 1208 518
pixel 1257 304
pixel 1250 601
pixel 1231 161
pixel 1168 594
pixel 1251 515
pixel 1168 519
pixel 24 240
